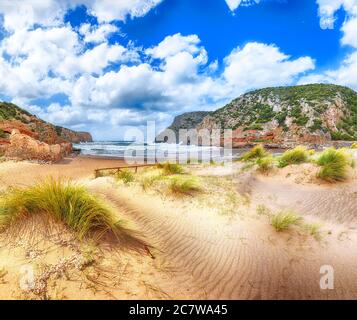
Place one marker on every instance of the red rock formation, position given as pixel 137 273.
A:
pixel 9 125
pixel 24 147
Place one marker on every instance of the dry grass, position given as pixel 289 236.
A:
pixel 314 230
pixel 297 155
pixel 334 165
pixel 284 220
pixel 265 164
pixel 255 153
pixel 67 202
pixel 170 168
pixel 183 185
pixel 125 175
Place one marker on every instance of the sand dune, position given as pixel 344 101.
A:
pixel 240 260
pixel 199 254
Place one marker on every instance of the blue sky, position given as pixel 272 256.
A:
pixel 109 66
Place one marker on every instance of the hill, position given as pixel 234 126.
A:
pixel 307 114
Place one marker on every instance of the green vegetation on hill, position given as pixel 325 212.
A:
pixel 9 111
pixel 305 105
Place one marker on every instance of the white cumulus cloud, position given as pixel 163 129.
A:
pixel 328 9
pixel 19 14
pixel 259 65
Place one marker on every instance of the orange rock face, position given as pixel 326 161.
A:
pixel 9 125
pixel 24 147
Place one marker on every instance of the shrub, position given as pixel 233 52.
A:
pixel 255 153
pixel 170 168
pixel 125 175
pixel 334 164
pixel 184 185
pixel 284 220
pixel 265 164
pixel 295 156
pixel 64 201
pixel 354 145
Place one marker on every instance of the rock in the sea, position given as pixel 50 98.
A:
pixel 24 147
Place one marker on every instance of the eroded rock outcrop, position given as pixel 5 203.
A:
pixel 25 136
pixel 24 147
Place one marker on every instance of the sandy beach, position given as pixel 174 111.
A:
pixel 216 245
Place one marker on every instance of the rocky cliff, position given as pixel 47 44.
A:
pixel 187 120
pixel 24 136
pixel 313 114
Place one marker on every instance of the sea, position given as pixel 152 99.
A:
pixel 158 152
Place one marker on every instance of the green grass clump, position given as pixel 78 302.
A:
pixel 148 180
pixel 265 164
pixel 64 201
pixel 184 185
pixel 170 168
pixel 125 175
pixel 354 145
pixel 255 153
pixel 284 220
pixel 314 230
pixel 334 165
pixel 297 155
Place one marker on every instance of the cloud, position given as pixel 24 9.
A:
pixel 53 62
pixel 328 8
pixel 259 65
pixel 45 61
pixel 346 73
pixel 234 4
pixel 174 44
pixel 112 85
pixel 22 15
pixel 349 30
pixel 97 34
pixel 108 10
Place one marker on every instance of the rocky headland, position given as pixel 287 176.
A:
pixel 314 115
pixel 24 136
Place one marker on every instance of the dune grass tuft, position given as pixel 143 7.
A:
pixel 298 155
pixel 284 220
pixel 263 210
pixel 265 164
pixel 64 201
pixel 334 165
pixel 170 168
pixel 149 178
pixel 184 185
pixel 314 230
pixel 125 175
pixel 255 153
